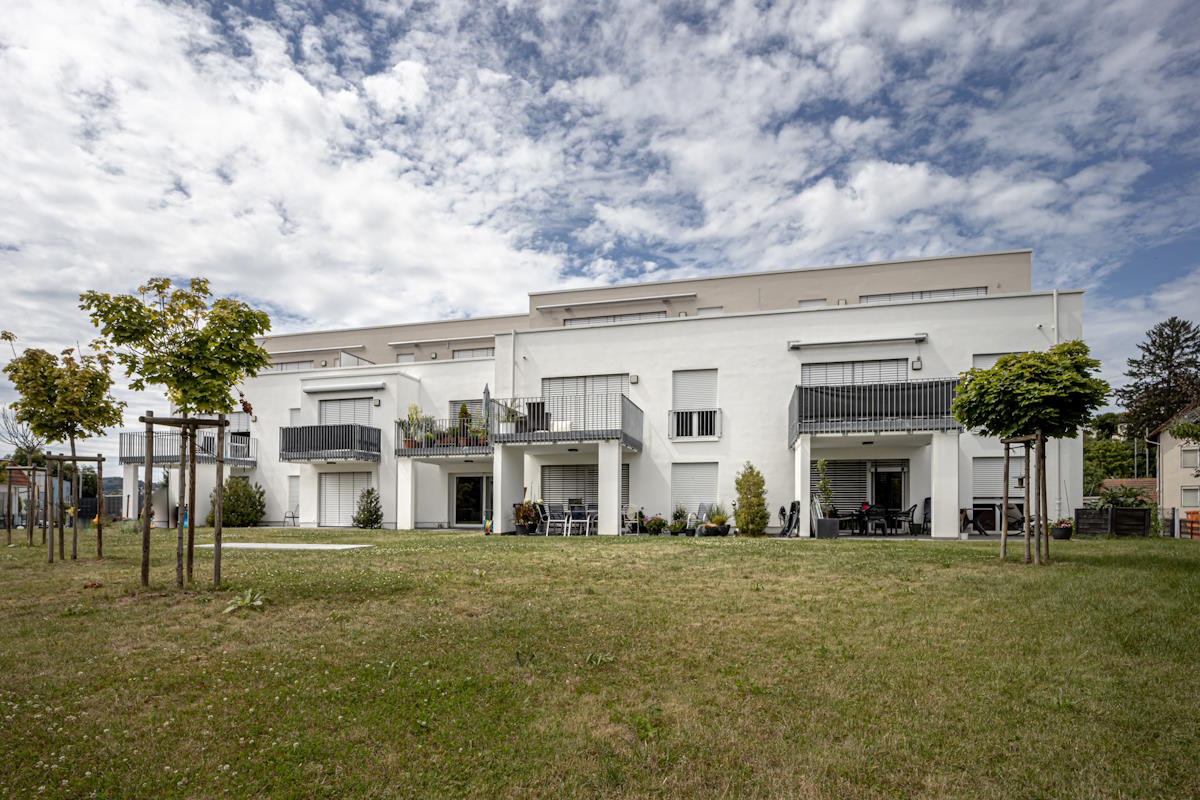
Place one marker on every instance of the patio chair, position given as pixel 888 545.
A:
pixel 791 521
pixel 543 524
pixel 630 522
pixel 593 518
pixel 1016 519
pixel 577 518
pixel 877 518
pixel 556 518
pixel 904 521
pixel 700 516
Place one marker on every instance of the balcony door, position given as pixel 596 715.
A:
pixel 472 499
pixel 356 410
pixel 338 494
pixel 581 402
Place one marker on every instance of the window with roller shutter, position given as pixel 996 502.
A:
pixel 338 494
pixel 354 410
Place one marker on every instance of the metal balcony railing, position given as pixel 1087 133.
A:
pixel 566 418
pixel 342 442
pixel 696 424
pixel 872 407
pixel 241 450
pixel 442 437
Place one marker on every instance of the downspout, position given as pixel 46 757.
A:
pixel 1058 512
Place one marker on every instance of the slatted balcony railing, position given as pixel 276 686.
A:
pixel 241 450
pixel 872 407
pixel 566 418
pixel 435 437
pixel 341 442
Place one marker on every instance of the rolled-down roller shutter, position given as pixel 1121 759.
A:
pixel 339 493
pixel 562 483
pixel 987 476
pixel 848 480
pixel 355 410
pixel 693 483
pixel 693 389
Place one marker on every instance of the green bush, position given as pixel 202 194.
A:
pixel 242 505
pixel 1123 497
pixel 750 512
pixel 369 513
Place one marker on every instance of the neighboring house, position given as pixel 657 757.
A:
pixel 652 395
pixel 1178 466
pixel 1148 486
pixel 21 494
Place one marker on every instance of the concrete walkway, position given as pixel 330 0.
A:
pixel 285 546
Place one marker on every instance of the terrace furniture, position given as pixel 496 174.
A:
pixel 631 521
pixel 904 520
pixel 700 516
pixel 556 518
pixel 876 518
pixel 543 523
pixel 289 517
pixel 577 518
pixel 792 525
pixel 593 516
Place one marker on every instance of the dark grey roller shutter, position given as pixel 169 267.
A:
pixel 562 483
pixel 848 480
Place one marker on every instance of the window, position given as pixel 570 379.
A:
pixel 928 294
pixel 293 501
pixel 405 358
pixel 1190 458
pixel 474 352
pixel 356 410
pixel 562 483
pixel 1190 497
pixel 474 408
pixel 710 311
pixel 815 302
pixel 338 494
pixel 585 385
pixel 611 319
pixel 891 370
pixel 987 360
pixel 239 422
pixel 694 404
pixel 692 484
pixel 290 366
pixel 351 360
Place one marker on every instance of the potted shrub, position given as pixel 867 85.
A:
pixel 827 526
pixel 676 527
pixel 464 424
pixel 656 525
pixel 507 423
pixel 718 521
pixel 1062 528
pixel 526 517
pixel 412 426
pixel 679 521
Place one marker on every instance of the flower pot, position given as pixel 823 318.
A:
pixel 827 528
pixel 410 444
pixel 1060 533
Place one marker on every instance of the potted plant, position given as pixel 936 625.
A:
pixel 827 526
pixel 679 519
pixel 718 521
pixel 656 525
pixel 464 424
pixel 526 517
pixel 411 426
pixel 507 425
pixel 1062 528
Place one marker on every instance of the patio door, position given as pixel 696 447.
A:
pixel 472 499
pixel 338 495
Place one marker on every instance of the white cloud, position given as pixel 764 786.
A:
pixel 400 91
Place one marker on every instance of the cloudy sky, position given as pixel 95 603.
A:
pixel 365 162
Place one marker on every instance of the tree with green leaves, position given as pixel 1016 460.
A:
pixel 369 513
pixel 1165 378
pixel 750 511
pixel 1186 430
pixel 63 398
pixel 1051 394
pixel 1113 457
pixel 198 348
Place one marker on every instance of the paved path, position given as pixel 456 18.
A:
pixel 285 546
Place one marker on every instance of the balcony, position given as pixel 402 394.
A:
pixel 344 442
pixel 697 424
pixel 905 406
pixel 442 437
pixel 566 418
pixel 240 449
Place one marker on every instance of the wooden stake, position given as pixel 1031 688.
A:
pixel 60 517
pixel 179 511
pixel 1004 510
pixel 47 540
pixel 147 493
pixel 100 508
pixel 191 506
pixel 30 506
pixel 8 509
pixel 217 510
pixel 1044 514
pixel 1028 555
pixel 75 495
pixel 1037 508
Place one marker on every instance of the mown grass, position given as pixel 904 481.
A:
pixel 447 664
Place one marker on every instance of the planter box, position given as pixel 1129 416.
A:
pixel 1061 533
pixel 1115 521
pixel 827 528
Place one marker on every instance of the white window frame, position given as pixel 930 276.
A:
pixel 612 319
pixel 290 366
pixel 927 294
pixel 1189 497
pixel 473 352
pixel 406 358
pixel 1194 452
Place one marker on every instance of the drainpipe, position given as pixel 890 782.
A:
pixel 1058 511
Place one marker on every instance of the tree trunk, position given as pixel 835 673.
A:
pixel 147 498
pixel 1028 555
pixel 179 509
pixel 75 480
pixel 1037 508
pixel 191 507
pixel 217 502
pixel 1004 510
pixel 100 507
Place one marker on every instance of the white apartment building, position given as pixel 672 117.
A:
pixel 654 395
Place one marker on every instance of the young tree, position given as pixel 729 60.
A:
pixel 369 513
pixel 1164 378
pixel 198 348
pixel 1049 394
pixel 63 398
pixel 18 435
pixel 750 514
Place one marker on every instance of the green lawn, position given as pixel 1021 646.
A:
pixel 455 664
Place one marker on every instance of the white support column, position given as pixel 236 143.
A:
pixel 406 494
pixel 943 468
pixel 129 491
pixel 802 451
pixel 508 485
pixel 609 495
